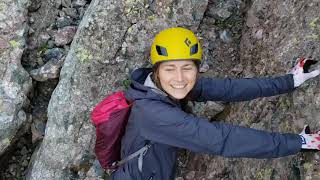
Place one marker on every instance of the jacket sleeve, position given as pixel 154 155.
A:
pixel 166 124
pixel 231 90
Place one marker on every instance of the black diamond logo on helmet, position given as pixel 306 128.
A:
pixel 187 41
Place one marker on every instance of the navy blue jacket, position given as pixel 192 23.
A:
pixel 157 118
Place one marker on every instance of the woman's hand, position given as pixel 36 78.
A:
pixel 310 140
pixel 300 71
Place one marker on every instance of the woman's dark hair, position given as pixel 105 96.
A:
pixel 155 75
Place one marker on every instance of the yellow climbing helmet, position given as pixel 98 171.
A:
pixel 175 44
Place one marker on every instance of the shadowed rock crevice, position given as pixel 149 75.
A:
pixel 47 29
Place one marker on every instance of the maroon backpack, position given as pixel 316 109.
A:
pixel 110 117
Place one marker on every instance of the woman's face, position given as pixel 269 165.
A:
pixel 177 78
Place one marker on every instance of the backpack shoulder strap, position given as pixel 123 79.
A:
pixel 141 152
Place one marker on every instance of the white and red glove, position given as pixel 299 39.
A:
pixel 310 140
pixel 300 71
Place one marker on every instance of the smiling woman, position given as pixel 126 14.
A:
pixel 175 65
pixel 176 78
pixel 158 120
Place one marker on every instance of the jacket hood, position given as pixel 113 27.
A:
pixel 138 90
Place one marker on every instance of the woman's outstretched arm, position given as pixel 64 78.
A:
pixel 167 124
pixel 231 90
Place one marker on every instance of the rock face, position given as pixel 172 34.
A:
pixel 274 34
pixel 239 39
pixel 14 80
pixel 112 40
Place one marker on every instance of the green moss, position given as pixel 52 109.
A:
pixel 14 43
pixel 129 1
pixel 284 104
pixel 313 37
pixel 84 55
pixel 285 126
pixel 265 173
pixel 43 48
pixel 127 10
pixel 295 41
pixel 129 30
pixel 6 141
pixel 132 2
pixel 134 7
pixel 315 24
pixel 152 17
pixel 307 167
pixel 2 6
pixel 126 83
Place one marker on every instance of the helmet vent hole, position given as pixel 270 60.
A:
pixel 194 49
pixel 161 51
